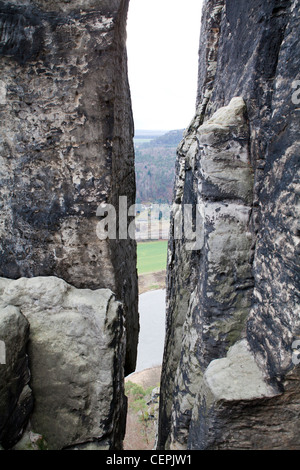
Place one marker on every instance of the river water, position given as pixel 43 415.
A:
pixel 152 329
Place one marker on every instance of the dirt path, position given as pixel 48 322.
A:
pixel 141 435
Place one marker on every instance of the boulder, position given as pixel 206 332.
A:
pixel 16 400
pixel 77 353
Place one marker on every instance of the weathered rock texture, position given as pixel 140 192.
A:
pixel 228 379
pixel 66 145
pixel 77 354
pixel 16 399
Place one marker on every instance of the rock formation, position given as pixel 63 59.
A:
pixel 68 301
pixel 77 354
pixel 229 380
pixel 66 146
pixel 16 400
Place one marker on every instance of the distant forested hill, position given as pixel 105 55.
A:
pixel 155 168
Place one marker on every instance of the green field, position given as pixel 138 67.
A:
pixel 152 256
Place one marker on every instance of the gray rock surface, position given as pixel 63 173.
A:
pixel 77 353
pixel 237 409
pixel 228 379
pixel 16 400
pixel 66 145
pixel 232 310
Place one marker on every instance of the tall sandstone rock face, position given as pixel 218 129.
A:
pixel 230 377
pixel 66 147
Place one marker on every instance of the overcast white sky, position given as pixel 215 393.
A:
pixel 163 41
